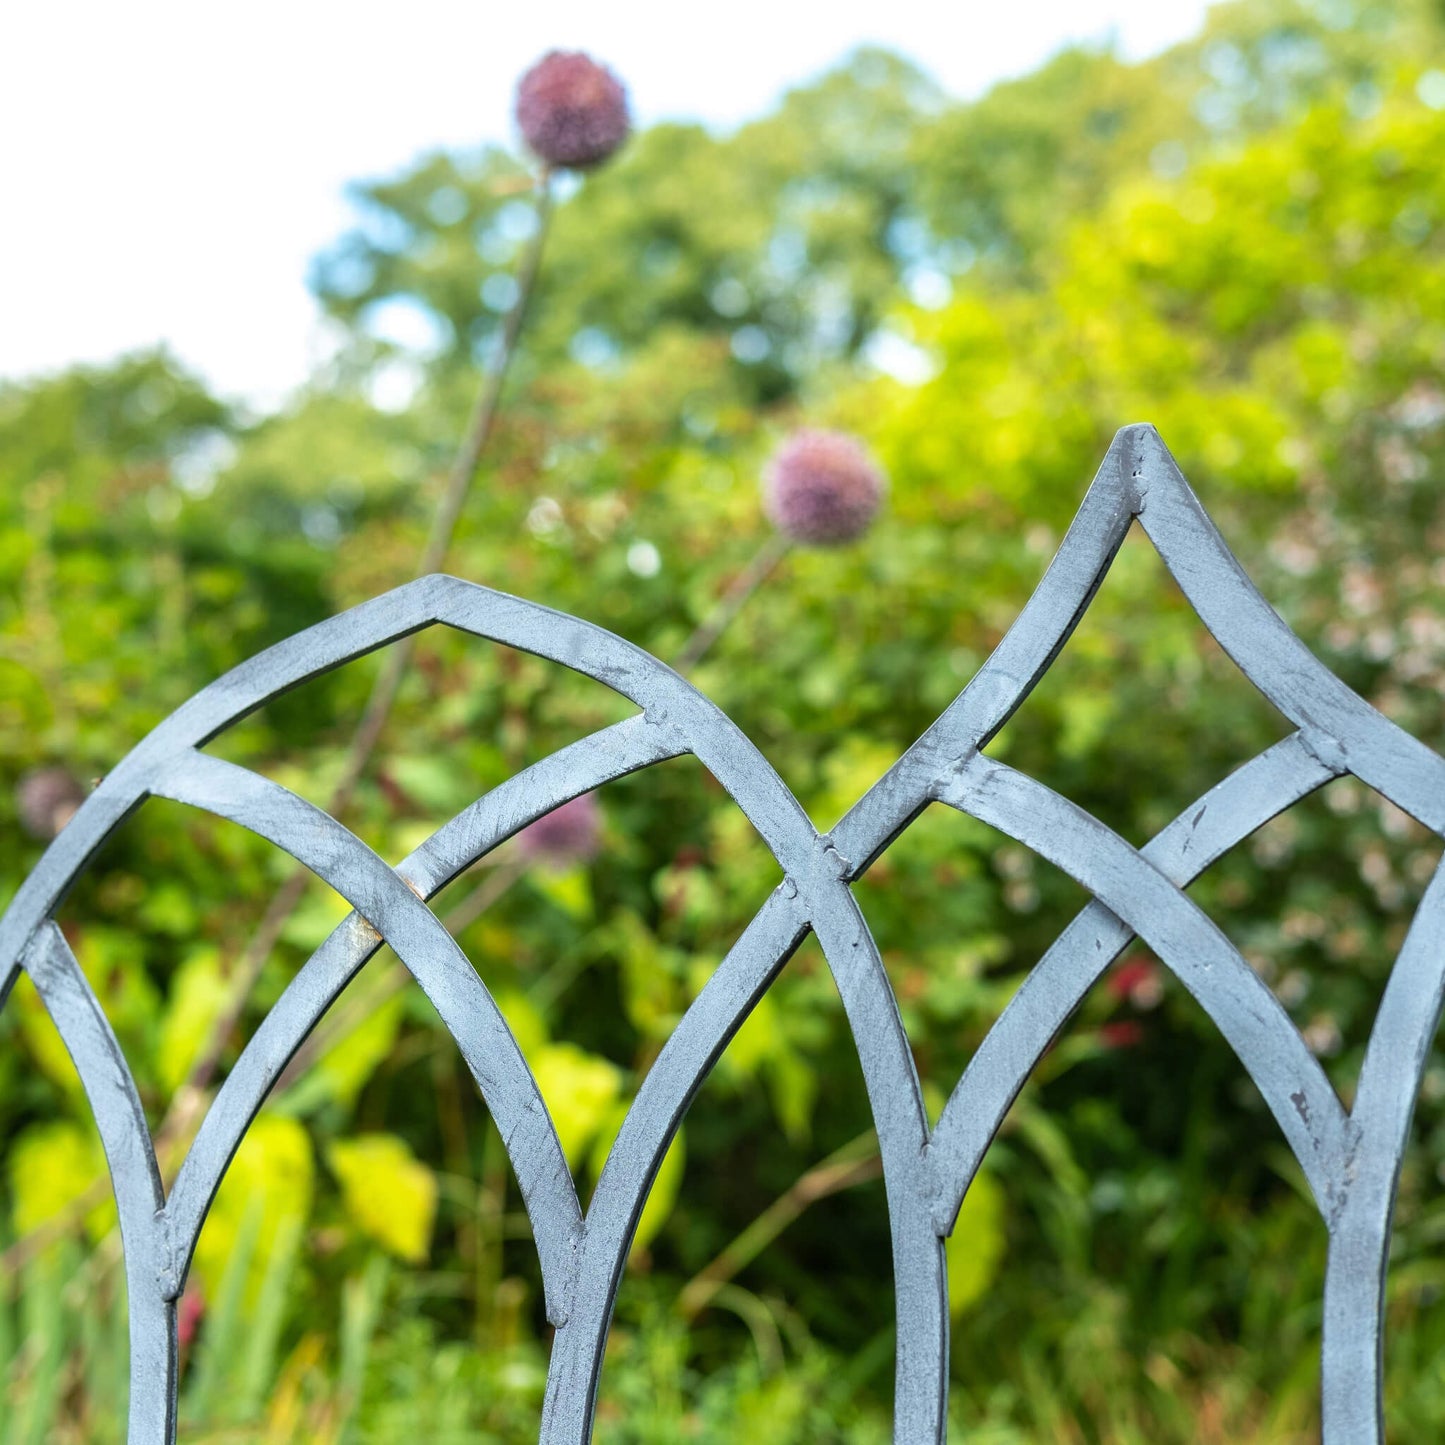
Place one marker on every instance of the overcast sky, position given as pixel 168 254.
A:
pixel 168 167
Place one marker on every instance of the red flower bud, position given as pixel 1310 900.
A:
pixel 572 112
pixel 568 834
pixel 46 799
pixel 822 488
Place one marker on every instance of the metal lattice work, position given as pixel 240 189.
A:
pixel 1350 1159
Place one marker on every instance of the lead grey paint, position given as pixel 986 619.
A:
pixel 1351 1159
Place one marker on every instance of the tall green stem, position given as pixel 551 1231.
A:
pixel 764 561
pixel 388 683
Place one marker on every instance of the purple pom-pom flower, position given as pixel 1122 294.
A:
pixel 567 835
pixel 572 112
pixel 822 488
pixel 46 799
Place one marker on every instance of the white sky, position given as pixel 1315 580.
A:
pixel 169 167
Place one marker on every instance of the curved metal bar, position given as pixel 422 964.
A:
pixel 665 698
pixel 1337 721
pixel 104 1075
pixel 383 901
pixel 135 1179
pixel 1359 1253
pixel 825 903
pixel 339 858
pixel 668 702
pixel 920 1279
pixel 1006 678
pixel 1247 799
pixel 1187 941
pixel 578 768
pixel 1139 477
pixel 231 697
pixel 1352 1162
pixel 679 1071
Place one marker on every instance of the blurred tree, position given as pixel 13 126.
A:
pixel 1002 178
pixel 784 239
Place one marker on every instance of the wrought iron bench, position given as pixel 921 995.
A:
pixel 1351 1159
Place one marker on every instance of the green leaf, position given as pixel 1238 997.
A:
pixel 169 908
pixel 525 1020
pixel 758 1039
pixel 198 998
pixel 344 1069
pixel 569 888
pixel 665 1187
pixel 976 1246
pixel 42 1039
pixel 761 1045
pixel 317 914
pixel 433 782
pixel 793 1088
pixel 579 1089
pixel 274 1173
pixel 390 1195
pixel 51 1166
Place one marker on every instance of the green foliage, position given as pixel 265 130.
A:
pixel 52 1166
pixel 976 1246
pixel 390 1195
pixel 265 1196
pixel 1241 241
pixel 1005 177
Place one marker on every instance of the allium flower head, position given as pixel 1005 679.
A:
pixel 572 111
pixel 568 834
pixel 46 799
pixel 822 488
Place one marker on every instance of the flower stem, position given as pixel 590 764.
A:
pixel 733 600
pixel 388 683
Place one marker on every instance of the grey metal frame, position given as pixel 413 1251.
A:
pixel 1351 1159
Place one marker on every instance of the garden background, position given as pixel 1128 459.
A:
pixel 1239 240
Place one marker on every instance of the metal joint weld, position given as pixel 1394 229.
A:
pixel 170 1278
pixel 831 863
pixel 952 781
pixel 1324 749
